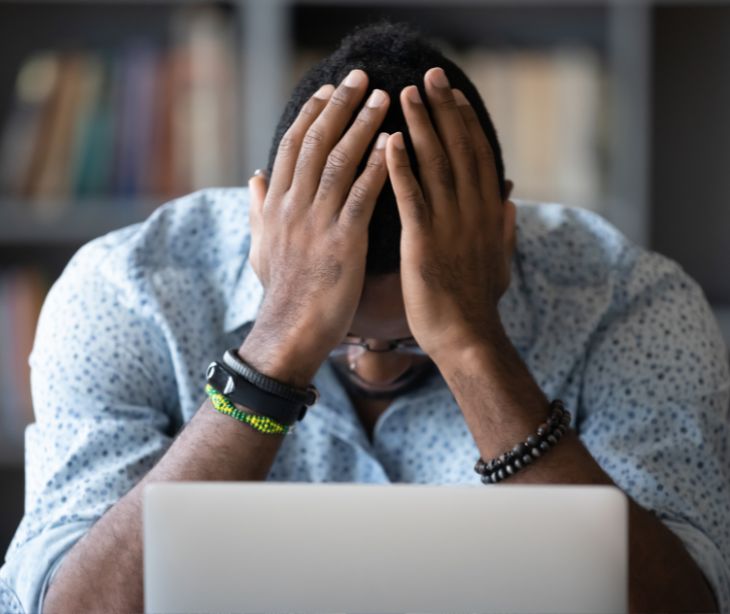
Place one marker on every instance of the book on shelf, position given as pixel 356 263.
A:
pixel 135 102
pixel 48 176
pixel 548 108
pixel 95 136
pixel 22 291
pixel 34 86
pixel 142 121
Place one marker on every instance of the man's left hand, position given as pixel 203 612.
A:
pixel 458 233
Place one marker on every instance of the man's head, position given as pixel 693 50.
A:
pixel 394 56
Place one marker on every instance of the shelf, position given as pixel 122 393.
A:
pixel 112 2
pixel 70 223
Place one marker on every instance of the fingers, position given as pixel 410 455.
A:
pixel 325 131
pixel 451 129
pixel 411 203
pixel 437 180
pixel 482 149
pixel 342 162
pixel 291 142
pixel 358 208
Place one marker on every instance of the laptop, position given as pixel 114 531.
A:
pixel 325 548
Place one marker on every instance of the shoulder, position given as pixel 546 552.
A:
pixel 584 286
pixel 568 247
pixel 189 230
pixel 202 233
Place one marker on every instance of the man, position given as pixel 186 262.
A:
pixel 420 370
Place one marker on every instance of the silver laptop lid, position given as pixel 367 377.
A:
pixel 316 548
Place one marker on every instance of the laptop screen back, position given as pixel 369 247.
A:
pixel 272 547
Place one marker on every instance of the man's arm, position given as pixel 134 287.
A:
pixel 103 571
pixel 502 404
pixel 457 244
pixel 311 190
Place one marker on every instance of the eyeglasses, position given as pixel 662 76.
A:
pixel 406 345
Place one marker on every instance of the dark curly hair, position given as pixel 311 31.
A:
pixel 394 55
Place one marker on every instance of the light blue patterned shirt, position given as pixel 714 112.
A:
pixel 622 335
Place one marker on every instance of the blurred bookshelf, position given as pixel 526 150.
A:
pixel 109 108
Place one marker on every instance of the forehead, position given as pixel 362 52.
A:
pixel 381 313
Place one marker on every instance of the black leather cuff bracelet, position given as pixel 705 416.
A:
pixel 234 362
pixel 238 389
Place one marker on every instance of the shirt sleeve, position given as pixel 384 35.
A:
pixel 654 409
pixel 103 393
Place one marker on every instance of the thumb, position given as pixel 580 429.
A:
pixel 258 186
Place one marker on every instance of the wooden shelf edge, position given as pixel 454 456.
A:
pixel 67 223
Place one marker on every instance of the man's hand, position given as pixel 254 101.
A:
pixel 309 229
pixel 458 235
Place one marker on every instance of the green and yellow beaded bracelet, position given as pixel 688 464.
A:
pixel 263 424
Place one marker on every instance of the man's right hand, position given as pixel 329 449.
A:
pixel 309 230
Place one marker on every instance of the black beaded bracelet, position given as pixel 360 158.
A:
pixel 548 434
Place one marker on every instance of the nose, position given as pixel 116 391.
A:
pixel 379 368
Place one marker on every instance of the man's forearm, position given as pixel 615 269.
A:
pixel 103 571
pixel 502 404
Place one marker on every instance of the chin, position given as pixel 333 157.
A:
pixel 413 378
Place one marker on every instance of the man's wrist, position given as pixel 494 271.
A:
pixel 274 358
pixel 463 349
pixel 494 390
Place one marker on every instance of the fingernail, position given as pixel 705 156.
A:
pixel 460 98
pixel 260 172
pixel 382 140
pixel 324 92
pixel 355 78
pixel 413 95
pixel 376 99
pixel 398 140
pixel 438 77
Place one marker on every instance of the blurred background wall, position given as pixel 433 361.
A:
pixel 109 108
